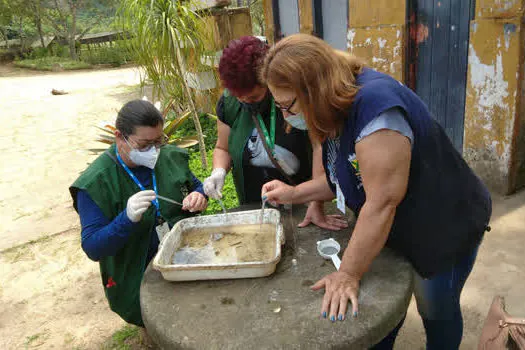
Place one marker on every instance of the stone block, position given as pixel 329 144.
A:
pixel 382 47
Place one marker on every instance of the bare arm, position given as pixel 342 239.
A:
pixel 317 161
pixel 221 155
pixel 384 160
pixel 281 193
pixel 317 172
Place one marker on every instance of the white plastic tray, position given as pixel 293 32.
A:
pixel 171 242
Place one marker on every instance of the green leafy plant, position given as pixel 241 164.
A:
pixel 170 129
pixel 229 195
pixel 170 42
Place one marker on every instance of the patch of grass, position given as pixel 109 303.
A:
pixel 209 129
pixel 52 63
pixel 126 338
pixel 18 252
pixel 31 339
pixel 36 340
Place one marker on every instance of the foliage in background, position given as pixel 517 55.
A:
pixel 169 40
pixel 63 17
pixel 69 19
pixel 229 196
pixel 208 123
pixel 115 55
pixel 52 64
pixel 171 126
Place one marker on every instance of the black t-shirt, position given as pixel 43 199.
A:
pixel 293 147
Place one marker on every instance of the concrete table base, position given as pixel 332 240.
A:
pixel 279 311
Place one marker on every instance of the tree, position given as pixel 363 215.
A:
pixel 6 16
pixel 14 16
pixel 37 11
pixel 62 15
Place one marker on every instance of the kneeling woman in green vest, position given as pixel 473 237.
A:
pixel 244 146
pixel 116 199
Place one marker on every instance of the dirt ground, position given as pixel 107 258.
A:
pixel 50 292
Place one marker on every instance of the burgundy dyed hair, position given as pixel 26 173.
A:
pixel 240 63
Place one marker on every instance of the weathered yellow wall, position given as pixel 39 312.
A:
pixel 492 110
pixel 519 142
pixel 381 46
pixel 269 29
pixel 498 8
pixel 494 142
pixel 364 13
pixel 306 20
pixel 228 24
pixel 224 25
pixel 377 34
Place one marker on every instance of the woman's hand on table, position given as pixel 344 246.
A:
pixel 194 202
pixel 339 288
pixel 277 192
pixel 315 215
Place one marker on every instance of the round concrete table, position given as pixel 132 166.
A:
pixel 279 311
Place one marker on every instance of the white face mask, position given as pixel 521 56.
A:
pixel 146 158
pixel 297 121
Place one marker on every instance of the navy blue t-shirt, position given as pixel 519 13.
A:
pixel 446 208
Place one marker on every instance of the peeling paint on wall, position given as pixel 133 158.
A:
pixel 382 47
pixel 350 37
pixel 488 81
pixel 495 55
pixel 498 8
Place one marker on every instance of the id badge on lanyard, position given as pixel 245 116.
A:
pixel 161 225
pixel 162 228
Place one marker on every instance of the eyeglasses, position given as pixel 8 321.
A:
pixel 287 109
pixel 144 145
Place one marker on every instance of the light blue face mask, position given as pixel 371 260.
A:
pixel 297 121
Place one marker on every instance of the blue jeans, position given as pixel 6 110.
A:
pixel 438 305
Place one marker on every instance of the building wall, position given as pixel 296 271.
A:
pixel 378 34
pixel 494 123
pixel 494 135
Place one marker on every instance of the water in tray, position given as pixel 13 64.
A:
pixel 227 244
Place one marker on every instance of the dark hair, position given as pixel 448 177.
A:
pixel 137 113
pixel 240 62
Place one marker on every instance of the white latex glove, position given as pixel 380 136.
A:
pixel 138 204
pixel 214 183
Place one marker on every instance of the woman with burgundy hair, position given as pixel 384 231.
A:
pixel 251 126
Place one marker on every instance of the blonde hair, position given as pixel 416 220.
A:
pixel 323 79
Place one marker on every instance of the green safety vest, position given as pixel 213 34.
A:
pixel 108 184
pixel 241 127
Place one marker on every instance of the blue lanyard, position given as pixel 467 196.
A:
pixel 134 178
